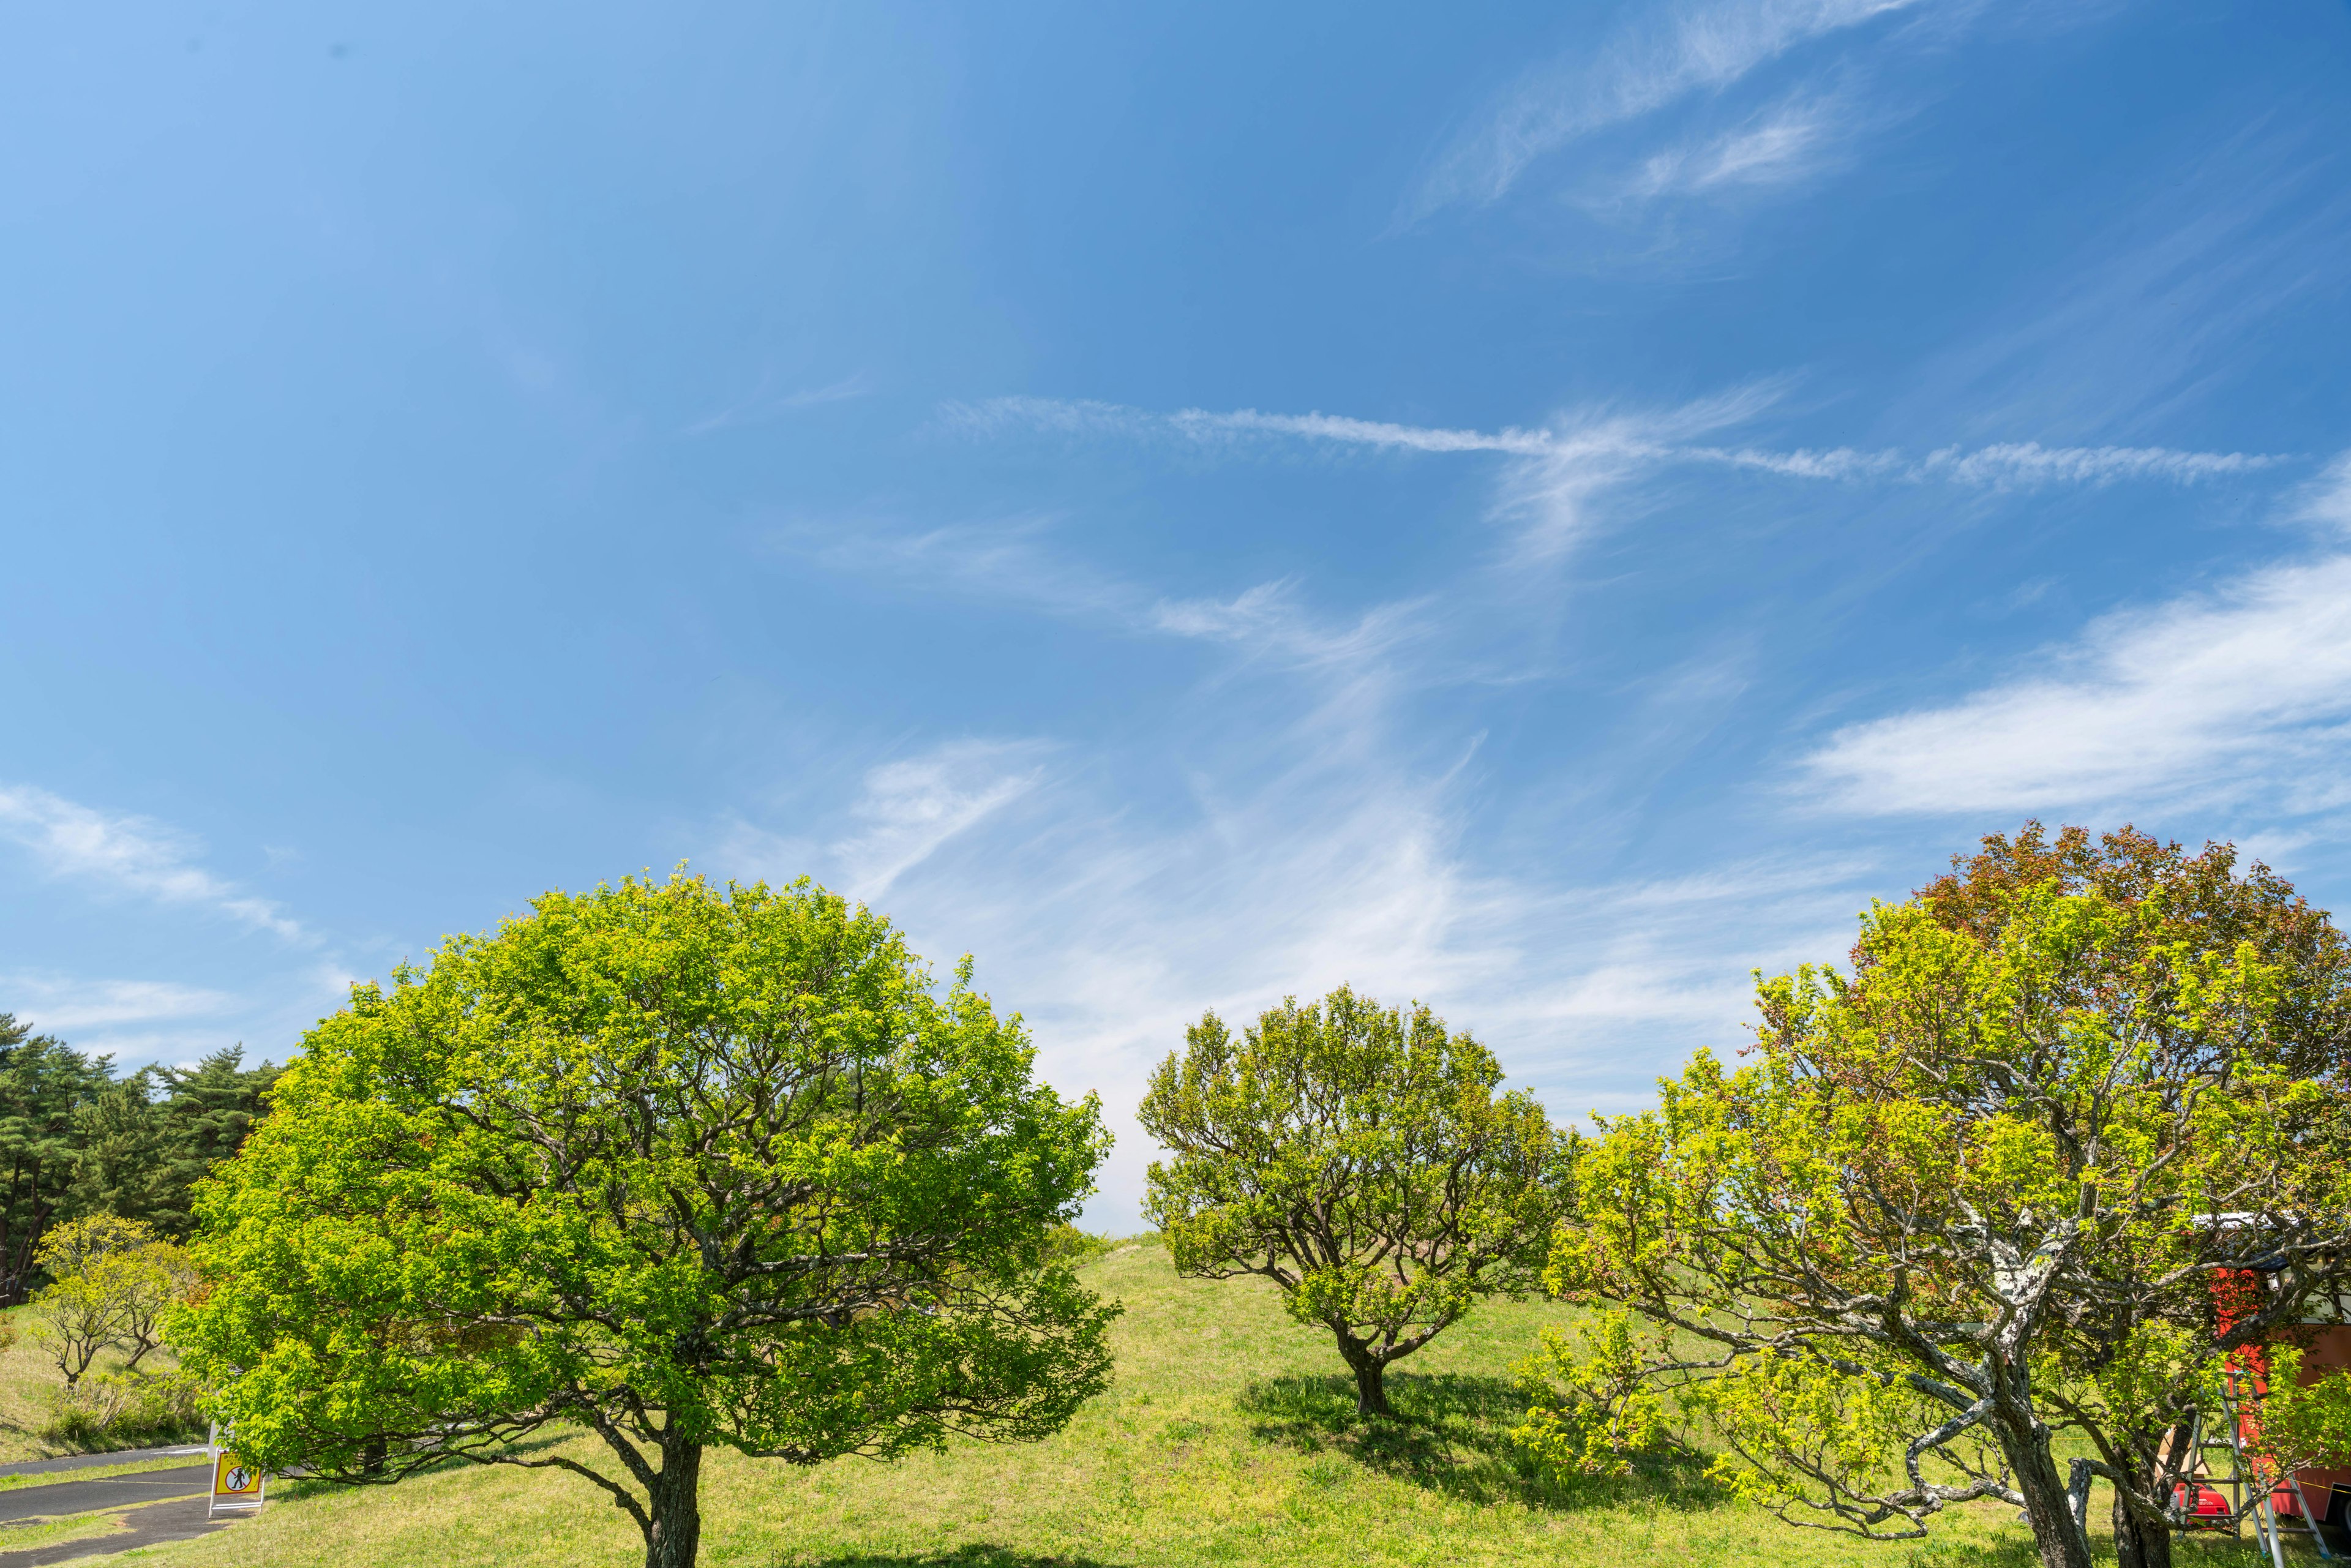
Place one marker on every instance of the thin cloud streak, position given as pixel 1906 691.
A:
pixel 134 854
pixel 910 808
pixel 760 407
pixel 1698 49
pixel 1659 438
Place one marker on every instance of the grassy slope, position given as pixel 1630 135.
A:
pixel 29 1381
pixel 1227 1438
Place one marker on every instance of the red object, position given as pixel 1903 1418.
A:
pixel 2234 1293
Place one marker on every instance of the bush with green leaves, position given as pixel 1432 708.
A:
pixel 126 1410
pixel 675 1164
pixel 1359 1157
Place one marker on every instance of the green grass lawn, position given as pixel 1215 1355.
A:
pixel 1229 1437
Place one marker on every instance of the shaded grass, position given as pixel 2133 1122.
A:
pixel 25 1534
pixel 1228 1436
pixel 1451 1433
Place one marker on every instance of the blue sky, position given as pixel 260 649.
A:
pixel 1540 509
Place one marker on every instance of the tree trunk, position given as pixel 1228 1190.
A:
pixel 675 1534
pixel 2137 1543
pixel 1370 1392
pixel 373 1455
pixel 2056 1534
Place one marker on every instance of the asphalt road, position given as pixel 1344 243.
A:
pixel 108 1491
pixel 157 1505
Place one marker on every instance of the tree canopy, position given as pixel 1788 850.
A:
pixel 2207 906
pixel 141 1142
pixel 678 1164
pixel 75 1141
pixel 1971 1194
pixel 1359 1157
pixel 44 1085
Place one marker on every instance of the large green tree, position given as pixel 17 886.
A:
pixel 674 1164
pixel 2196 904
pixel 1969 1196
pixel 1359 1157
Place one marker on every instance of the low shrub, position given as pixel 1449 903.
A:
pixel 123 1410
pixel 1068 1244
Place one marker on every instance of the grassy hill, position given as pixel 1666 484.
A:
pixel 1229 1438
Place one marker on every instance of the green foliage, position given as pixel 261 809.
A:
pixel 1361 1160
pixel 2205 904
pixel 1971 1195
pixel 43 1083
pixel 1226 1442
pixel 125 1410
pixel 112 1281
pixel 682 1166
pixel 143 1142
pixel 2303 1425
pixel 75 1141
pixel 1068 1244
pixel 1594 1409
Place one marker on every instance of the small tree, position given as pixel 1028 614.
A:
pixel 1361 1160
pixel 1973 1196
pixel 677 1165
pixel 112 1281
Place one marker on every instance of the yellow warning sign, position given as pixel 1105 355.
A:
pixel 232 1478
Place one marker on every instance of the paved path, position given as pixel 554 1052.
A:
pixel 109 1491
pixel 180 1520
pixel 91 1461
pixel 175 1503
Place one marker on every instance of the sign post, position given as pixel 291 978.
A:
pixel 236 1486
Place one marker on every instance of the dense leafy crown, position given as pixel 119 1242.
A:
pixel 1973 1193
pixel 683 1164
pixel 1360 1157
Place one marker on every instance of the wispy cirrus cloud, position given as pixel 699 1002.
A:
pixel 130 853
pixel 1111 918
pixel 909 808
pixel 2241 694
pixel 2004 465
pixel 1789 142
pixel 1013 563
pixel 2160 308
pixel 767 403
pixel 1555 474
pixel 1657 436
pixel 1084 417
pixel 1643 69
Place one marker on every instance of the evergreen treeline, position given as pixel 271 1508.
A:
pixel 75 1140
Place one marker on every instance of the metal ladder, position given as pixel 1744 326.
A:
pixel 2247 1494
